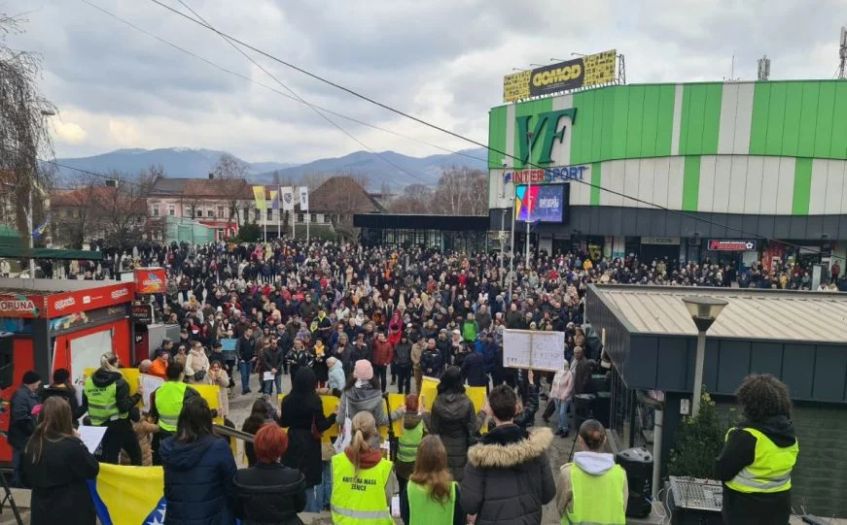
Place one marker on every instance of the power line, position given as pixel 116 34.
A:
pixel 271 88
pixel 453 133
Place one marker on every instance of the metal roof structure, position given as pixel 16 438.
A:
pixel 800 337
pixel 750 314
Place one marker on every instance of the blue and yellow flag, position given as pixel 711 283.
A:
pixel 125 495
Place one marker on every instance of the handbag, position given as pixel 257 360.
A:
pixel 346 436
pixel 199 375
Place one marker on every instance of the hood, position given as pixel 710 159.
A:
pixel 183 456
pixel 451 406
pixel 779 429
pixel 495 455
pixel 368 459
pixel 365 392
pixel 103 378
pixel 594 463
pixel 411 420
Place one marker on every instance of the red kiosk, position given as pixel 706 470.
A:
pixel 48 324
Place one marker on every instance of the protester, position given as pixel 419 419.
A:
pixel 269 493
pixel 56 466
pixel 336 382
pixel 432 495
pixel 759 455
pixel 63 387
pixel 219 377
pixel 159 366
pixel 561 392
pixel 199 470
pixel 362 393
pixel 383 355
pixel 360 475
pixel 107 400
pixel 270 362
pixel 592 489
pixel 166 404
pixel 302 412
pixel 508 477
pixel 407 446
pixel 454 420
pixel 402 365
pixel 197 365
pixel 22 420
pixel 260 415
pixel 246 350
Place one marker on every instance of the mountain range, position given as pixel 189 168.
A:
pixel 386 168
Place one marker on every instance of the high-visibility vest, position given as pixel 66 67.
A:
pixel 359 498
pixel 102 403
pixel 169 398
pixel 424 510
pixel 597 499
pixel 771 467
pixel 408 442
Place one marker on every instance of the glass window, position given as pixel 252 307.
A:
pixel 210 213
pixel 171 211
pixel 256 215
pixel 270 214
pixel 220 211
pixel 300 217
pixel 156 210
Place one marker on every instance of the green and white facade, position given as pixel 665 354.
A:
pixel 744 160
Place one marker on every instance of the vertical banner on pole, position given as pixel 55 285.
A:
pixel 275 206
pixel 304 207
pixel 287 197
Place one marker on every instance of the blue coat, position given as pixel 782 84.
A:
pixel 198 481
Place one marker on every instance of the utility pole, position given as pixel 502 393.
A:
pixel 842 54
pixel 529 200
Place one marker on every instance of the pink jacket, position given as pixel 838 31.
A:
pixel 562 388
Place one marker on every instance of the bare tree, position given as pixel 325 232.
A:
pixel 460 191
pixel 24 135
pixel 233 173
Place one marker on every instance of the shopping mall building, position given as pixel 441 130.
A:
pixel 729 166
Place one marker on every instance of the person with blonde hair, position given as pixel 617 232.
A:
pixel 432 494
pixel 360 478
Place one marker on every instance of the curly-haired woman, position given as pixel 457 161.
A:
pixel 759 455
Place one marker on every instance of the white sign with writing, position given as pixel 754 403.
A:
pixel 533 349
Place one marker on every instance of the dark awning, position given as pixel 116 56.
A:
pixel 386 221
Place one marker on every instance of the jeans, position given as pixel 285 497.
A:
pixel 268 385
pixel 404 499
pixel 562 407
pixel 17 458
pixel 404 378
pixel 317 497
pixel 245 367
pixel 379 371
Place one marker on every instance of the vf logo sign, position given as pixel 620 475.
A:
pixel 546 130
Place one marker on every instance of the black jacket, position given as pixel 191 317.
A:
pixel 22 422
pixel 738 452
pixel 66 393
pixel 269 495
pixel 403 354
pixel 246 348
pixel 473 369
pixel 454 420
pixel 508 477
pixel 58 483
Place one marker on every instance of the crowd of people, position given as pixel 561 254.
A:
pixel 355 322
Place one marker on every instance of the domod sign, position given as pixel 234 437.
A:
pixel 545 131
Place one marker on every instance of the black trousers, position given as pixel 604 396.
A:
pixel 380 371
pixel 119 435
pixel 158 437
pixel 404 378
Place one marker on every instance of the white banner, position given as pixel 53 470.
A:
pixel 304 198
pixel 287 196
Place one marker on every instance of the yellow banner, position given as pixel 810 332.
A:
pixel 586 71
pixel 259 196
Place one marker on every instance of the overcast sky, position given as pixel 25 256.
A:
pixel 443 61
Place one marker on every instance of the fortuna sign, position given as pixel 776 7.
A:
pixel 17 305
pixel 546 175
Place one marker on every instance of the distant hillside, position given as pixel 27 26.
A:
pixel 394 169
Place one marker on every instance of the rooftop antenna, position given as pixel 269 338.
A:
pixel 764 67
pixel 842 54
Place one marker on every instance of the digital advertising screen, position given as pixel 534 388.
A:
pixel 542 203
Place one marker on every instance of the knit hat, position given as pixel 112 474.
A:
pixel 363 370
pixel 31 377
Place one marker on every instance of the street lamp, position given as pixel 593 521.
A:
pixel 703 311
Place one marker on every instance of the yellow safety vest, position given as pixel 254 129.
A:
pixel 424 510
pixel 169 398
pixel 407 444
pixel 102 402
pixel 597 499
pixel 771 467
pixel 359 499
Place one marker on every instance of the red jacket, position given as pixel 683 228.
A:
pixel 383 353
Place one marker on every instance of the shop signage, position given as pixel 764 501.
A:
pixel 66 303
pixel 21 306
pixel 142 313
pixel 664 241
pixel 93 317
pixel 150 280
pixel 545 131
pixel 719 245
pixel 546 175
pixel 590 70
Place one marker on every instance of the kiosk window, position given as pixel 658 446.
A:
pixel 6 369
